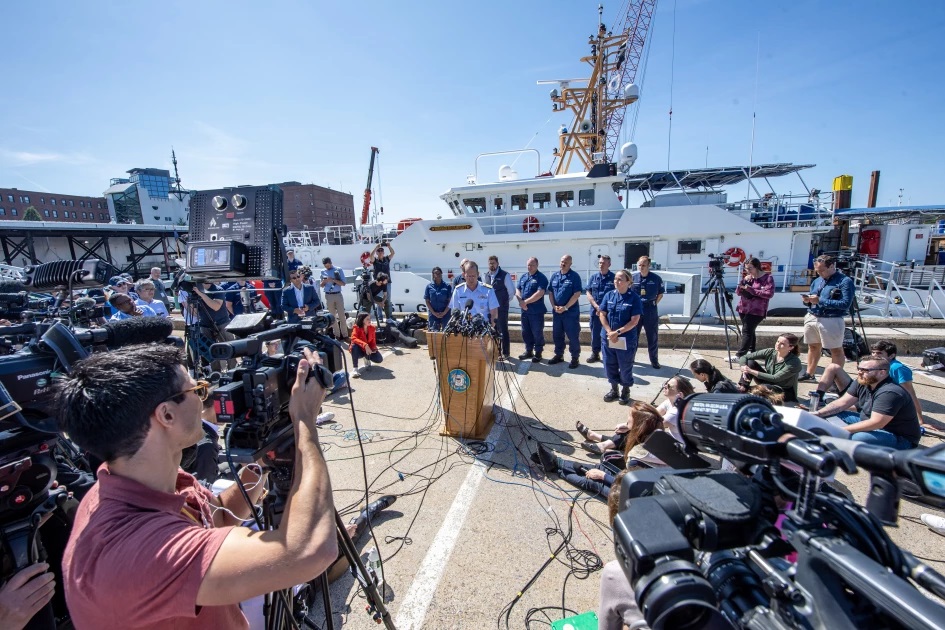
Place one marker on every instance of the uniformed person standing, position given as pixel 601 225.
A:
pixel 437 297
pixel 620 312
pixel 565 294
pixel 501 282
pixel 531 299
pixel 649 287
pixel 483 297
pixel 597 287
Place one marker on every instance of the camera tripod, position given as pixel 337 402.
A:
pixel 283 610
pixel 723 306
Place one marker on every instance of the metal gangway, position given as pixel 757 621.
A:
pixel 899 289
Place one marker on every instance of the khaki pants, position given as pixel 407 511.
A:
pixel 335 303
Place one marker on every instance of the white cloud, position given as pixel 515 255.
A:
pixel 10 158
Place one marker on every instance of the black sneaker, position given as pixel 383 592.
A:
pixel 547 460
pixel 625 396
pixel 556 359
pixel 528 355
pixel 806 376
pixel 656 365
pixel 612 395
pixel 536 358
pixel 594 358
pixel 574 363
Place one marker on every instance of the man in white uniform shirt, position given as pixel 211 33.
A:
pixel 484 300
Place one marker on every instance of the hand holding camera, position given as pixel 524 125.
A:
pixel 307 393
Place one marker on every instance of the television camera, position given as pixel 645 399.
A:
pixel 41 346
pixel 716 266
pixel 253 397
pixel 701 549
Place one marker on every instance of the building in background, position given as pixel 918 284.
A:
pixel 311 207
pixel 147 197
pixel 52 206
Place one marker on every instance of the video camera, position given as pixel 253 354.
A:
pixel 253 398
pixel 701 549
pixel 715 264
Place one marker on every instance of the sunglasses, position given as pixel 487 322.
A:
pixel 202 389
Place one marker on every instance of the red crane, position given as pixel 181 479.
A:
pixel 367 189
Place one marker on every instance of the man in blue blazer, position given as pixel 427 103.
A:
pixel 299 300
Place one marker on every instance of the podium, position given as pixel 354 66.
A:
pixel 465 370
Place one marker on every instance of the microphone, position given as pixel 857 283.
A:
pixel 467 307
pixel 370 512
pixel 136 330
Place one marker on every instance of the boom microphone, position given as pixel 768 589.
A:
pixel 136 330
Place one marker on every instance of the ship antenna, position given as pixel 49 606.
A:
pixel 672 73
pixel 177 189
pixel 754 108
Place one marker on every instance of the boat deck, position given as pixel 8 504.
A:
pixel 475 522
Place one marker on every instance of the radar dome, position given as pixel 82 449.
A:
pixel 507 173
pixel 631 92
pixel 628 156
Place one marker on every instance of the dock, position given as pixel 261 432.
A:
pixel 479 536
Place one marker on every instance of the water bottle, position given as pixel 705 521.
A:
pixel 814 401
pixel 374 565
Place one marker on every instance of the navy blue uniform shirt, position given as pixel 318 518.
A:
pixel 600 284
pixel 563 286
pixel 439 295
pixel 529 285
pixel 648 288
pixel 620 309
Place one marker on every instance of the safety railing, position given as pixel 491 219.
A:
pixel 524 222
pixel 893 288
pixel 775 211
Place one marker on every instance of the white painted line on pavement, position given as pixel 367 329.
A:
pixel 413 610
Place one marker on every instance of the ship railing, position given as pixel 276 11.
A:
pixel 785 211
pixel 329 235
pixel 532 221
pixel 899 288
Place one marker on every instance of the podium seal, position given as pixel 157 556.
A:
pixel 459 380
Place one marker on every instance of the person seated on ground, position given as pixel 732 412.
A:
pixel 363 344
pixel 674 389
pixel 145 290
pixel 887 415
pixel 835 376
pixel 598 480
pixel 126 308
pixel 714 381
pixel 780 365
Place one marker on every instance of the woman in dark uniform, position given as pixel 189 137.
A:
pixel 619 313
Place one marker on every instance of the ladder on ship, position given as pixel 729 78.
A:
pixel 899 289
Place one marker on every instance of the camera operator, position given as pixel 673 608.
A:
pixel 381 265
pixel 152 548
pixel 379 291
pixel 887 415
pixel 831 296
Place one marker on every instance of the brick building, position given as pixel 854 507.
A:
pixel 311 207
pixel 52 206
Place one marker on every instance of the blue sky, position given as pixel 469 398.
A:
pixel 254 93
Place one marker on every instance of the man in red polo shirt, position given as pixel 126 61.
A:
pixel 150 547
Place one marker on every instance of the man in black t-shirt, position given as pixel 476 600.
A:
pixel 381 264
pixel 887 416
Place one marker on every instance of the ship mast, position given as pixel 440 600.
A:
pixel 599 103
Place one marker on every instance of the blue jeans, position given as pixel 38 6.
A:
pixel 357 353
pixel 567 323
pixel 876 437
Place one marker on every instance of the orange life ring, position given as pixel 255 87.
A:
pixel 365 258
pixel 735 256
pixel 530 224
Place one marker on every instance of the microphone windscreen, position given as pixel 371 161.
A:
pixel 85 302
pixel 469 303
pixel 11 286
pixel 138 330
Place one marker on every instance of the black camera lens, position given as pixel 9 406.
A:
pixel 676 595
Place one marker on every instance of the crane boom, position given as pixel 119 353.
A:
pixel 365 209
